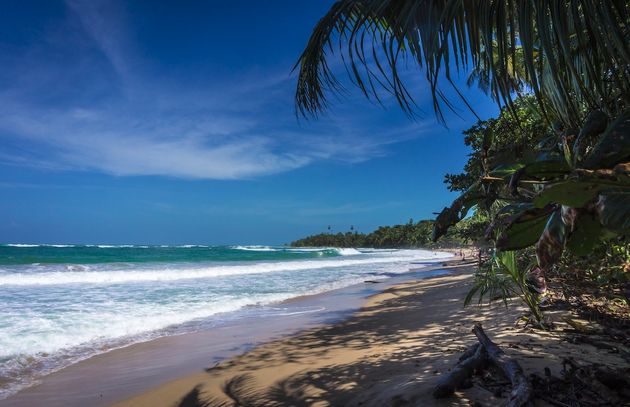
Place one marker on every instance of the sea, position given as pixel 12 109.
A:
pixel 63 303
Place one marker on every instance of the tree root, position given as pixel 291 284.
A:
pixel 476 357
pixel 522 391
pixel 472 359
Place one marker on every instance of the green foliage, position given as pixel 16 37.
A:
pixel 554 188
pixel 499 144
pixel 614 145
pixel 573 56
pixel 504 277
pixel 501 152
pixel 347 239
pixel 472 229
pixel 614 210
pixel 606 265
pixel 554 205
pixel 409 234
pixel 523 228
pixel 567 190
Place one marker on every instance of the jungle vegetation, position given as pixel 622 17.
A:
pixel 548 181
pixel 408 235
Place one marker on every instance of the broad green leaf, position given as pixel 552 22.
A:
pixel 552 240
pixel 505 170
pixel 587 233
pixel 524 229
pixel 475 195
pixel 614 210
pixel 508 259
pixel 571 193
pixel 504 157
pixel 514 209
pixel 613 147
pixel 594 125
pixel 546 169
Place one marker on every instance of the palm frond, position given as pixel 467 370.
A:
pixel 573 55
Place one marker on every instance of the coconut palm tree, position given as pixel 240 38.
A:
pixel 575 54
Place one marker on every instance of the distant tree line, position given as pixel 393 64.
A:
pixel 410 234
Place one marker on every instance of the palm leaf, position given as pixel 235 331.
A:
pixel 574 56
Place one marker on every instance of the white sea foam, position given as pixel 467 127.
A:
pixel 260 248
pixel 188 272
pixel 255 248
pixel 39 245
pixel 122 321
pixel 348 252
pixel 48 322
pixel 38 347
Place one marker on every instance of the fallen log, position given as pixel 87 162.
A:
pixel 472 359
pixel 469 352
pixel 521 394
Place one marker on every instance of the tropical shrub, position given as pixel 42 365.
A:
pixel 571 191
pixel 503 277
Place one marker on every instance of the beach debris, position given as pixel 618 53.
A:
pixel 479 356
pixel 584 384
pixel 521 387
pixel 473 358
pixel 579 383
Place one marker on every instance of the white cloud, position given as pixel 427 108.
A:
pixel 183 158
pixel 232 128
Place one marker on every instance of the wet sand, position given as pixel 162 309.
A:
pixel 390 353
pixel 122 373
pixel 411 330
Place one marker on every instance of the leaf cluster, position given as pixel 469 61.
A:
pixel 574 56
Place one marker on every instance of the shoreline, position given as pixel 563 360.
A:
pixel 293 357
pixel 391 352
pixel 114 375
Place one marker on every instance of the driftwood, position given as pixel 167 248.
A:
pixel 474 358
pixel 521 394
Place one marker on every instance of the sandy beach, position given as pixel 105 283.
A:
pixel 389 353
pixel 117 374
pixel 220 204
pixel 399 342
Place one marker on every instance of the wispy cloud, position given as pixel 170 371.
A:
pixel 101 20
pixel 236 127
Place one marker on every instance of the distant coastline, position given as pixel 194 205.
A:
pixel 404 236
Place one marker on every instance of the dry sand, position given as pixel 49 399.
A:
pixel 390 353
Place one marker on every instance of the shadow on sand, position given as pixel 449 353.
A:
pixel 389 354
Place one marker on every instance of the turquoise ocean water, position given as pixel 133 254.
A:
pixel 60 304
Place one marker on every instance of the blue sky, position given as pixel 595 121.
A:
pixel 155 122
